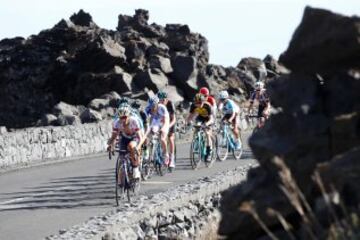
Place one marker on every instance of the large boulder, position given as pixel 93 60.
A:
pixel 334 45
pixel 315 130
pixel 82 18
pixel 90 86
pixel 101 55
pixel 253 66
pixel 162 63
pixel 153 79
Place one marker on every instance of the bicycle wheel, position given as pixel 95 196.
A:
pixel 119 181
pixel 147 170
pixel 222 144
pixel 195 153
pixel 212 157
pixel 237 152
pixel 157 158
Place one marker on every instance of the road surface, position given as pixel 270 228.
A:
pixel 37 202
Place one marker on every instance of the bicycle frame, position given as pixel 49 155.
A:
pixel 199 135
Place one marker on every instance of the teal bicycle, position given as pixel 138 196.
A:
pixel 198 148
pixel 226 143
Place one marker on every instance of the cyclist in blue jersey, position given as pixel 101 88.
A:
pixel 231 113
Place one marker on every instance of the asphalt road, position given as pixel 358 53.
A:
pixel 39 201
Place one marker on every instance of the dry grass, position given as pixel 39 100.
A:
pixel 344 225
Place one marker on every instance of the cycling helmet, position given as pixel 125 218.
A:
pixel 162 95
pixel 204 91
pixel 199 98
pixel 259 85
pixel 122 101
pixel 124 110
pixel 153 101
pixel 135 104
pixel 223 95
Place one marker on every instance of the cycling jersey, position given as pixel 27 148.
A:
pixel 230 107
pixel 170 107
pixel 203 112
pixel 129 131
pixel 159 115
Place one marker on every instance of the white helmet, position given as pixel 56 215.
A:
pixel 124 110
pixel 223 95
pixel 259 85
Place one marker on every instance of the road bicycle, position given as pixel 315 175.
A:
pixel 125 183
pixel 226 142
pixel 156 153
pixel 198 147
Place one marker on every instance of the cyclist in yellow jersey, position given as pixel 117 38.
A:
pixel 203 110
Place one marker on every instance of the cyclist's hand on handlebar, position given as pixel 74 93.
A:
pixel 109 148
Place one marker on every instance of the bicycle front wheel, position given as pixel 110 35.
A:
pixel 195 153
pixel 212 157
pixel 119 182
pixel 222 145
pixel 237 152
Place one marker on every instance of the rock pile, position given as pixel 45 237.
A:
pixel 311 147
pixel 78 63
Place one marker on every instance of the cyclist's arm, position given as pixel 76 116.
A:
pixel 210 121
pixel 141 137
pixel 232 116
pixel 114 134
pixel 173 120
pixel 165 120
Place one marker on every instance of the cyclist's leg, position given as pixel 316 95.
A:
pixel 236 131
pixel 209 145
pixel 132 149
pixel 172 146
pixel 134 158
pixel 260 115
pixel 163 140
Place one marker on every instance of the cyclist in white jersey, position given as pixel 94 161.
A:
pixel 159 119
pixel 231 113
pixel 132 135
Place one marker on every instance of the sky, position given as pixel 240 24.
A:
pixel 234 28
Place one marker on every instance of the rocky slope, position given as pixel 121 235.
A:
pixel 307 184
pixel 74 72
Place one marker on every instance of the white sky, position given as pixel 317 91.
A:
pixel 234 28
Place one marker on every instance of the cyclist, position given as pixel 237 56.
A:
pixel 264 102
pixel 141 114
pixel 163 99
pixel 203 110
pixel 142 117
pixel 210 99
pixel 159 118
pixel 231 113
pixel 132 135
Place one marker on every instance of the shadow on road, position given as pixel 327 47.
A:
pixel 62 193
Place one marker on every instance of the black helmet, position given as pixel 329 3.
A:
pixel 162 95
pixel 135 104
pixel 122 101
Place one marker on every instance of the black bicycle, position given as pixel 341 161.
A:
pixel 125 183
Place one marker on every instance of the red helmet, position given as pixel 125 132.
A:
pixel 204 91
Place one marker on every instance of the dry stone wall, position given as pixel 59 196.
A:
pixel 34 145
